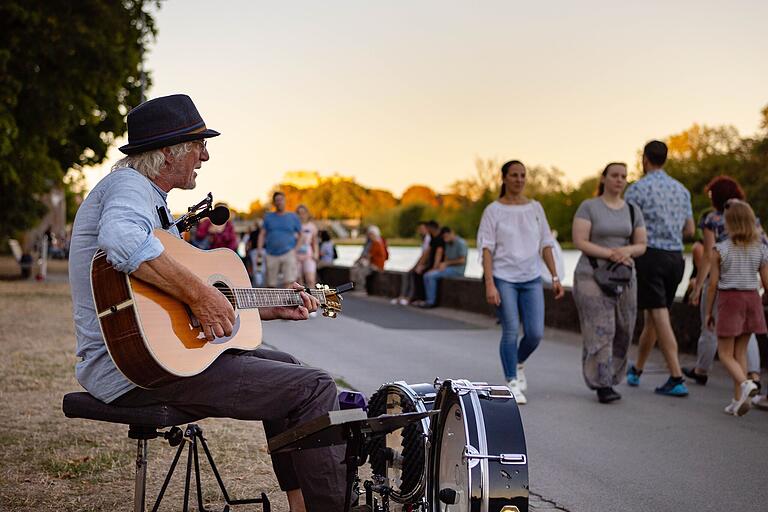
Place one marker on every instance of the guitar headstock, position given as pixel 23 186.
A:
pixel 332 305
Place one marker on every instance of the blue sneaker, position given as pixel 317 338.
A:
pixel 633 376
pixel 672 388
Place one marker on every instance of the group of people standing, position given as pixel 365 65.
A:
pixel 288 247
pixel 632 259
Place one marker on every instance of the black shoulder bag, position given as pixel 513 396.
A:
pixel 614 277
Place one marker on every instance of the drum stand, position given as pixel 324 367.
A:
pixel 353 428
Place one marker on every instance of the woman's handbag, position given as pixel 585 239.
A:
pixel 612 278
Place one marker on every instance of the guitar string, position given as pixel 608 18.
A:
pixel 250 296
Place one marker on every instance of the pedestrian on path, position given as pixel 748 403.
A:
pixel 720 190
pixel 735 264
pixel 608 232
pixel 513 235
pixel 307 249
pixel 666 207
pixel 278 238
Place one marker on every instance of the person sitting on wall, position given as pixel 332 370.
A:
pixel 371 260
pixel 453 264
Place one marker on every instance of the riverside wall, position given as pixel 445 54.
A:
pixel 468 294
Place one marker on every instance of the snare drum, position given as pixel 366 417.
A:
pixel 402 456
pixel 478 459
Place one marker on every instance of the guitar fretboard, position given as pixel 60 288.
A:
pixel 248 298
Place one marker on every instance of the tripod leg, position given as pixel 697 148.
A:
pixel 168 477
pixel 140 489
pixel 214 468
pixel 189 474
pixel 200 505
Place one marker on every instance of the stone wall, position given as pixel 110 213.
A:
pixel 468 294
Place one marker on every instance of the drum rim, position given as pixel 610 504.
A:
pixel 482 441
pixel 420 489
pixel 450 395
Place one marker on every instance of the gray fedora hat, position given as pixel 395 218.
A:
pixel 164 121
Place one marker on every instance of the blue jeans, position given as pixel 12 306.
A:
pixel 433 276
pixel 520 302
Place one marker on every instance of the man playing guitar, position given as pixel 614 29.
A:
pixel 167 143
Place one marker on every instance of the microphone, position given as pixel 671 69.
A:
pixel 218 216
pixel 196 213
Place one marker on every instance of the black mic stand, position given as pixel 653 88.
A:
pixel 194 214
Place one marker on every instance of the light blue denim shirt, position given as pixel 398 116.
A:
pixel 118 216
pixel 666 205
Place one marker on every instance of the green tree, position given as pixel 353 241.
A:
pixel 409 218
pixel 69 72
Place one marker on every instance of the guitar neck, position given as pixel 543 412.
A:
pixel 248 298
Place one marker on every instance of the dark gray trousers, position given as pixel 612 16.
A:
pixel 272 387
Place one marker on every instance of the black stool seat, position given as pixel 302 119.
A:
pixel 85 405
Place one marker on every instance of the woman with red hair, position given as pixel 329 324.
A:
pixel 720 189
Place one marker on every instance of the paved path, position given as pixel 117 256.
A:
pixel 645 452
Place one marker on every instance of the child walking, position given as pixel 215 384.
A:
pixel 736 263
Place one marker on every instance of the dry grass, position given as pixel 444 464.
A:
pixel 52 462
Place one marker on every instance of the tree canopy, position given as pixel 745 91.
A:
pixel 69 72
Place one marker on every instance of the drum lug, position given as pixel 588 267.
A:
pixel 473 456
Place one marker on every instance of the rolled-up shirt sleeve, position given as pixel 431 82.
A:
pixel 127 222
pixel 486 233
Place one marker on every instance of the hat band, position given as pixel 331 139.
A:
pixel 166 135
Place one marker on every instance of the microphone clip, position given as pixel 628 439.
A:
pixel 194 214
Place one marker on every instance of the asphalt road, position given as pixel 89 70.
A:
pixel 645 452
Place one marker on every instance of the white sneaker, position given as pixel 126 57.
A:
pixel 394 301
pixel 730 409
pixel 522 382
pixel 744 403
pixel 403 302
pixel 514 387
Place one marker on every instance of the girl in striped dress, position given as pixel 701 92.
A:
pixel 735 265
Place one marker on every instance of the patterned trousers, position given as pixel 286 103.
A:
pixel 607 325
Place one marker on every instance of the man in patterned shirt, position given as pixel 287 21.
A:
pixel 666 207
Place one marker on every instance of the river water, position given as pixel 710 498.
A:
pixel 403 258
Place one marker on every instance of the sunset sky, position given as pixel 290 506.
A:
pixel 396 93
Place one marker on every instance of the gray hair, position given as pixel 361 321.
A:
pixel 149 162
pixel 375 231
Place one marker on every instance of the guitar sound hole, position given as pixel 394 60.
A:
pixel 227 292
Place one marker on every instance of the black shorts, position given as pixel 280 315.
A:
pixel 658 275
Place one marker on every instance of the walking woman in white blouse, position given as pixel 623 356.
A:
pixel 513 235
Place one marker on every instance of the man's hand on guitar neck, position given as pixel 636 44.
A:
pixel 292 312
pixel 212 309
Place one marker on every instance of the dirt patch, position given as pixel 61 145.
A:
pixel 51 462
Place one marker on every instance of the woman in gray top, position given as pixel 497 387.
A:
pixel 605 230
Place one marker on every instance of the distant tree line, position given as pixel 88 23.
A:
pixel 696 155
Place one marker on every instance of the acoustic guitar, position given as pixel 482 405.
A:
pixel 154 339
